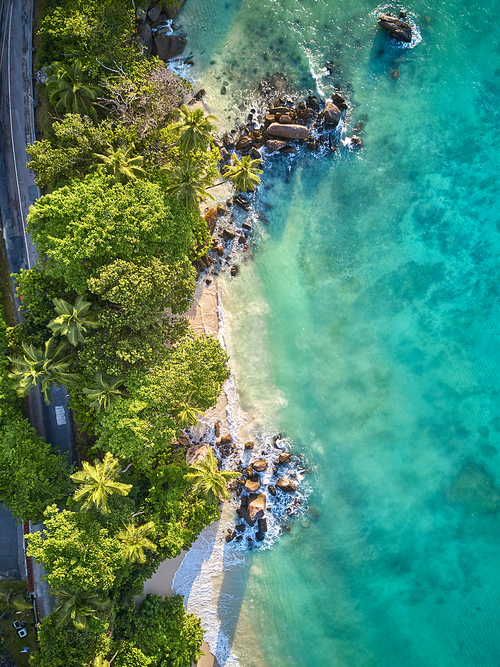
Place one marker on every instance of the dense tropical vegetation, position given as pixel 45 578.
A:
pixel 123 170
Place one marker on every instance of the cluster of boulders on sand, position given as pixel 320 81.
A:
pixel 157 32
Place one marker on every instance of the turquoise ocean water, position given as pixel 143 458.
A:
pixel 367 328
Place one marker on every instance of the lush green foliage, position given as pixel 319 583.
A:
pixel 77 552
pixel 68 90
pixel 72 321
pixel 142 426
pixel 76 608
pixel 32 475
pixel 82 228
pixel 164 630
pixel 68 647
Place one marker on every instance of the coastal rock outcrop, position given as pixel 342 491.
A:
pixel 252 486
pixel 256 506
pixel 167 47
pixel 197 453
pixel 397 29
pixel 275 145
pixel 290 131
pixel 284 457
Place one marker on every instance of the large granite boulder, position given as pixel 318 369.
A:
pixel 397 29
pixel 145 38
pixel 284 458
pixel 252 486
pixel 260 465
pixel 286 485
pixel 339 101
pixel 197 453
pixel 167 47
pixel 256 506
pixel 211 220
pixel 331 114
pixel 275 145
pixel 154 13
pixel 172 11
pixel 290 131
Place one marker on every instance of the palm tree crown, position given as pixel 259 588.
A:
pixel 120 165
pixel 209 480
pixel 194 129
pixel 105 391
pixel 98 482
pixel 76 607
pixel 42 368
pixel 135 540
pixel 187 414
pixel 72 321
pixel 66 90
pixel 243 174
pixel 187 183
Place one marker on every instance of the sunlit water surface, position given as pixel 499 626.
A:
pixel 366 328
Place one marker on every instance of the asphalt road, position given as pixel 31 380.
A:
pixel 9 566
pixel 17 192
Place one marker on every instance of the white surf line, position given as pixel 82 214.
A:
pixel 12 141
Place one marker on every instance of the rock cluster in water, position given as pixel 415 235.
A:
pixel 398 29
pixel 157 33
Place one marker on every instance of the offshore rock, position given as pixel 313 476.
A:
pixel 286 485
pixel 284 457
pixel 260 536
pixel 339 101
pixel 252 486
pixel 167 47
pixel 397 29
pixel 271 490
pixel 260 465
pixel 262 525
pixel 331 114
pixel 249 445
pixel 256 506
pixel 291 131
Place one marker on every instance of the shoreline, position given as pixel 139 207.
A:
pixel 204 319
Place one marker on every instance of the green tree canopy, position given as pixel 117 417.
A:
pixel 105 391
pixel 94 222
pixel 243 174
pixel 194 129
pixel 43 368
pixel 120 164
pixel 187 183
pixel 143 425
pixel 72 321
pixel 76 551
pixel 70 150
pixel 69 90
pixel 135 539
pixel 76 608
pixel 99 481
pixel 164 631
pixel 32 474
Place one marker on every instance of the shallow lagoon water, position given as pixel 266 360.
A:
pixel 366 328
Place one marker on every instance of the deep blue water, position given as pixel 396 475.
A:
pixel 371 310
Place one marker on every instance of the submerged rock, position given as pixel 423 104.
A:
pixel 397 29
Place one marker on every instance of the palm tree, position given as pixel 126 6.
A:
pixel 66 90
pixel 194 129
pixel 76 607
pixel 119 164
pixel 187 414
pixel 135 540
pixel 243 174
pixel 187 183
pixel 98 482
pixel 72 321
pixel 42 367
pixel 12 597
pixel 105 391
pixel 209 480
